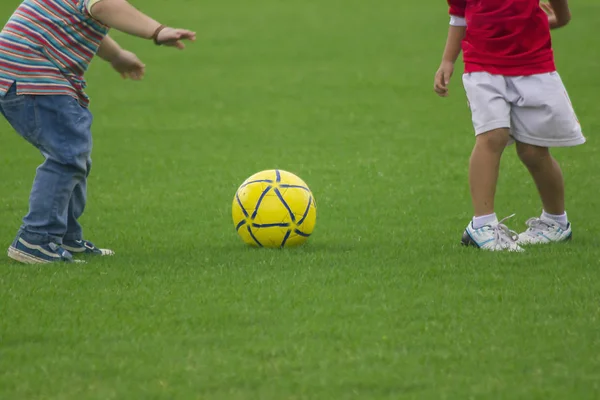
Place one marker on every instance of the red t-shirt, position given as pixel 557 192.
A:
pixel 505 37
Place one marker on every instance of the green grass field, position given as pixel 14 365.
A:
pixel 383 303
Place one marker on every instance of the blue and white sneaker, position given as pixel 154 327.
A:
pixel 542 231
pixel 493 237
pixel 29 253
pixel 85 247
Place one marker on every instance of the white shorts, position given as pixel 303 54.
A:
pixel 535 108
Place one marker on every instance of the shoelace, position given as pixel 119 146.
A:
pixel 535 226
pixel 503 235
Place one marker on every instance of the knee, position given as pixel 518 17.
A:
pixel 532 156
pixel 76 164
pixel 77 154
pixel 494 141
pixel 82 163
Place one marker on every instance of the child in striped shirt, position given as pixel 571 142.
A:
pixel 45 49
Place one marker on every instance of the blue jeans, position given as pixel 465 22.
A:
pixel 61 129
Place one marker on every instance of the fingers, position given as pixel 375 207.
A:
pixel 544 7
pixel 134 75
pixel 447 76
pixel 547 7
pixel 178 44
pixel 138 75
pixel 187 35
pixel 440 84
pixel 175 37
pixel 442 92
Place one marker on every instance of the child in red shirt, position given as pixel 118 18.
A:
pixel 515 95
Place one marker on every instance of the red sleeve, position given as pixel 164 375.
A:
pixel 457 7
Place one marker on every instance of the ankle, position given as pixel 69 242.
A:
pixel 483 220
pixel 560 219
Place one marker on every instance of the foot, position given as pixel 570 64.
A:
pixel 85 247
pixel 29 253
pixel 541 231
pixel 493 237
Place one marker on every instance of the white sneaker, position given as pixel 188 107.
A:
pixel 493 237
pixel 541 231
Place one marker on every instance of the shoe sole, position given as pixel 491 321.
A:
pixel 24 258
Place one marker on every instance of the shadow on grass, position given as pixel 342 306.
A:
pixel 237 247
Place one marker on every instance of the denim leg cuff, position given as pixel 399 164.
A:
pixel 38 238
pixel 72 238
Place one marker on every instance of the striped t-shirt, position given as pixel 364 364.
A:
pixel 46 47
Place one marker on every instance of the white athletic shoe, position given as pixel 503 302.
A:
pixel 541 231
pixel 493 237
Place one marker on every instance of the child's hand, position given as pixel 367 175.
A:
pixel 547 7
pixel 129 66
pixel 174 37
pixel 558 15
pixel 442 78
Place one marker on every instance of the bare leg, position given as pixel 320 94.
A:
pixel 547 175
pixel 484 169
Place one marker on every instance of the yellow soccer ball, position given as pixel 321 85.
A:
pixel 274 208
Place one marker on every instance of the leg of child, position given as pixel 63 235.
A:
pixel 76 209
pixel 543 117
pixel 490 112
pixel 547 176
pixel 485 231
pixel 65 141
pixel 484 169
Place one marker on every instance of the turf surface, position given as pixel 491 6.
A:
pixel 383 303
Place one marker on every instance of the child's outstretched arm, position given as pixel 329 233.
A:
pixel 121 15
pixel 456 34
pixel 124 62
pixel 109 49
pixel 558 12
